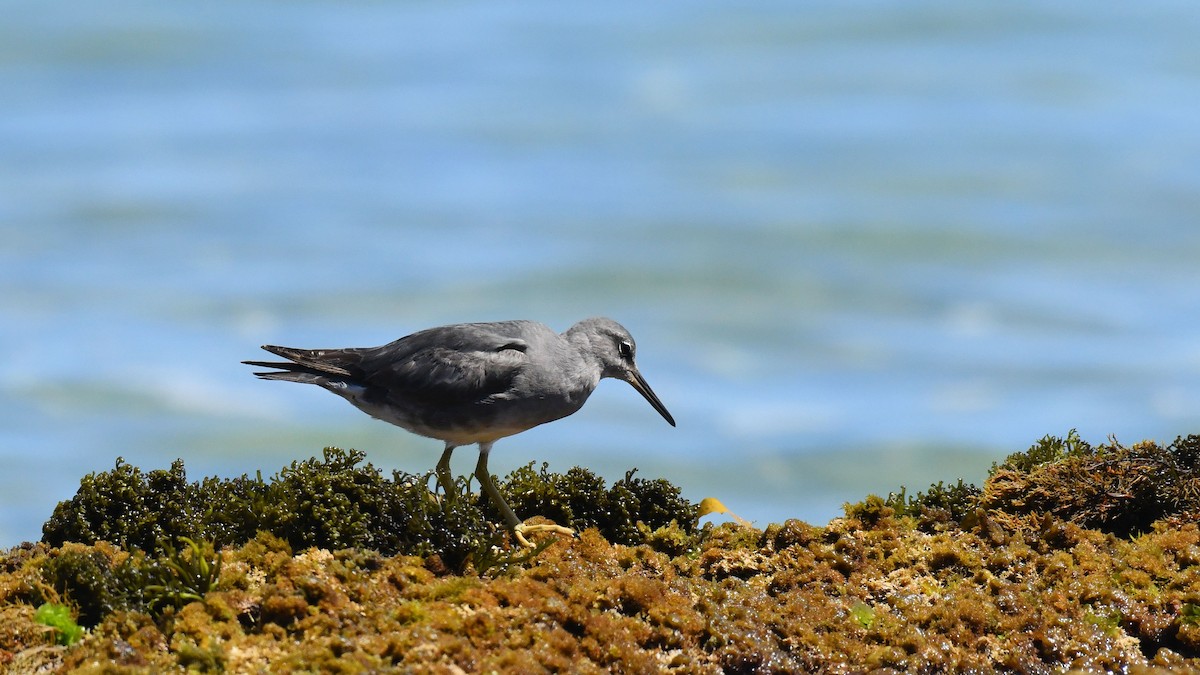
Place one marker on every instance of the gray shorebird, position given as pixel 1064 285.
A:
pixel 473 383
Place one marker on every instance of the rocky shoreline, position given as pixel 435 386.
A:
pixel 1069 556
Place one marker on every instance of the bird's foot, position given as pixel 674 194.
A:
pixel 521 529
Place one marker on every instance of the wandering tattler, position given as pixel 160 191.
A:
pixel 473 383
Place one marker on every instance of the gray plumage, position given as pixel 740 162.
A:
pixel 473 382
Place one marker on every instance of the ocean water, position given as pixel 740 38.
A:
pixel 860 244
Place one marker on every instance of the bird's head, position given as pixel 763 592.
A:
pixel 615 349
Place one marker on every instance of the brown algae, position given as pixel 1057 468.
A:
pixel 1094 565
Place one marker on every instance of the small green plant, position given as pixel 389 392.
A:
pixel 580 499
pixel 863 614
pixel 189 574
pixel 1189 613
pixel 94 585
pixel 58 617
pixel 1107 621
pixel 1048 449
pixel 956 501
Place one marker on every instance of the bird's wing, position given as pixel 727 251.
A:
pixel 451 365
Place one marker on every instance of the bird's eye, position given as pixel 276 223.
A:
pixel 625 349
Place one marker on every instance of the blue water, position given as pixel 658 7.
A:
pixel 860 244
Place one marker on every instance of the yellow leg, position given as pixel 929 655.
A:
pixel 510 519
pixel 444 477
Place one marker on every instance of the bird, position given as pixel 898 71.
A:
pixel 474 383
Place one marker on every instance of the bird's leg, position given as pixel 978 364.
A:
pixel 485 479
pixel 444 477
pixel 514 524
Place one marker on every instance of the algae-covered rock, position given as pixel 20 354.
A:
pixel 953 579
pixel 624 513
pixel 846 598
pixel 339 502
pixel 1111 487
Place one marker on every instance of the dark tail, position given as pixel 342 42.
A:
pixel 310 366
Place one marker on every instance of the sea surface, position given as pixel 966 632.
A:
pixel 861 245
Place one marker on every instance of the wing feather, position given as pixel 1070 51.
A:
pixel 462 364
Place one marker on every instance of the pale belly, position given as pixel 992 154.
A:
pixel 462 426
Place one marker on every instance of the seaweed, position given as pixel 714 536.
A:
pixel 952 579
pixel 58 617
pixel 128 507
pixel 581 499
pixel 187 576
pixel 1111 487
pixel 99 580
pixel 339 502
pixel 939 507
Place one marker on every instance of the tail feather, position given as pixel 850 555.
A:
pixel 308 366
pixel 272 364
pixel 296 376
pixel 323 361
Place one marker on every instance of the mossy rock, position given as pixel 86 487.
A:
pixel 794 598
pixel 1122 490
pixel 953 579
pixel 1110 487
pixel 339 502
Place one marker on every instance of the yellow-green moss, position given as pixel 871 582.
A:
pixel 811 599
pixel 910 586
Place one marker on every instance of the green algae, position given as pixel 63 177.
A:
pixel 952 579
pixel 130 508
pixel 188 575
pixel 625 513
pixel 58 617
pixel 339 502
pixel 841 599
pixel 1111 487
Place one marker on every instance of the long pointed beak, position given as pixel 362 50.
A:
pixel 638 382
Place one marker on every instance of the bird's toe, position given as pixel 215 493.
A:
pixel 521 530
